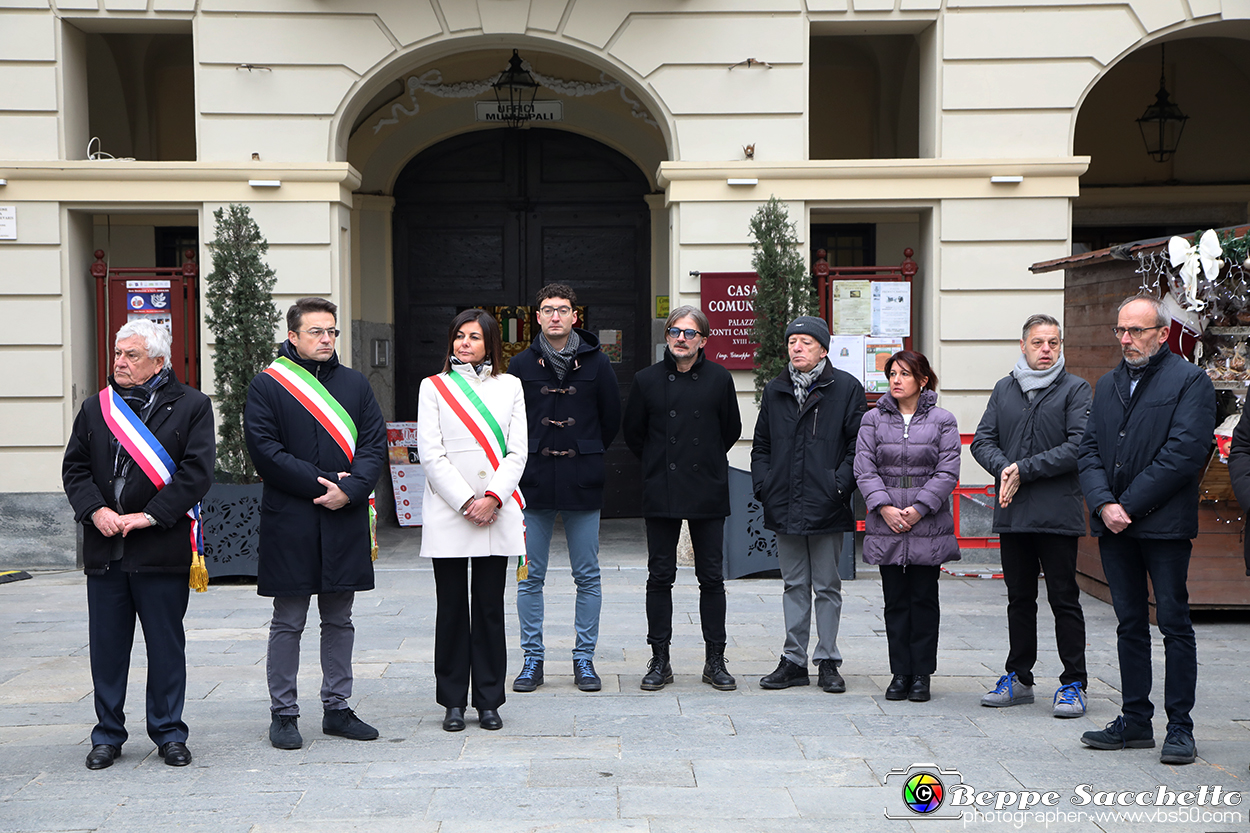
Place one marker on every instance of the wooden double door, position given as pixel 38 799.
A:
pixel 488 218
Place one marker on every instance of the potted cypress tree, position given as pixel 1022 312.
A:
pixel 783 290
pixel 242 318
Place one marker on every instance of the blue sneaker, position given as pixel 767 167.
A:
pixel 531 676
pixel 1069 701
pixel 1008 691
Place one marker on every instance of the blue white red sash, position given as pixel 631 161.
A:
pixel 146 450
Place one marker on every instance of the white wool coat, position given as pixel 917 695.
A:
pixel 457 469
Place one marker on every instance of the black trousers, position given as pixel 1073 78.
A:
pixel 1023 556
pixel 912 615
pixel 469 641
pixel 708 537
pixel 160 602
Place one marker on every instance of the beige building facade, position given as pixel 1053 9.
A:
pixel 352 131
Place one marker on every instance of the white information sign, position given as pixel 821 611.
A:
pixel 891 308
pixel 847 353
pixel 8 222
pixel 407 476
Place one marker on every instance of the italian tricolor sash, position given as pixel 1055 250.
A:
pixel 317 400
pixel 473 413
pixel 152 458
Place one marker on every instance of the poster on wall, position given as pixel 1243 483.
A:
pixel 877 352
pixel 891 308
pixel 728 301
pixel 407 476
pixel 150 301
pixel 852 307
pixel 846 353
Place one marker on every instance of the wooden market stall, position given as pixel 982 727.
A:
pixel 1094 285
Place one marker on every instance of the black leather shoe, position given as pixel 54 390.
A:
pixel 454 720
pixel 919 692
pixel 787 674
pixel 489 719
pixel 345 724
pixel 830 680
pixel 899 687
pixel 175 753
pixel 102 756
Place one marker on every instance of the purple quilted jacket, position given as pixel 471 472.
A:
pixel 913 466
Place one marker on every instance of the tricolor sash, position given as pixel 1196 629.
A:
pixel 147 452
pixel 317 400
pixel 473 413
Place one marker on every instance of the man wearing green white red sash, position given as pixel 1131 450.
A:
pixel 318 439
pixel 139 460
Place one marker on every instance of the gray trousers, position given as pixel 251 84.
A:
pixel 338 635
pixel 809 565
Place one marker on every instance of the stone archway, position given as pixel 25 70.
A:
pixel 487 218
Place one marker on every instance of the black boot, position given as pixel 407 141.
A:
pixel 899 687
pixel 919 689
pixel 659 672
pixel 714 671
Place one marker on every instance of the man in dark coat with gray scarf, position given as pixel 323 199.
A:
pixel 314 518
pixel 803 472
pixel 1027 441
pixel 681 420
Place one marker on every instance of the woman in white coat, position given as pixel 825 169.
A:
pixel 473 442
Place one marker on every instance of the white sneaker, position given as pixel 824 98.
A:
pixel 1008 691
pixel 1069 701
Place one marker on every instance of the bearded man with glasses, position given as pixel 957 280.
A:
pixel 681 420
pixel 1141 461
pixel 573 406
pixel 318 439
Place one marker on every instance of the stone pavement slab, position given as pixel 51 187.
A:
pixel 686 758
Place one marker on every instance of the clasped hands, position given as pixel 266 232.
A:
pixel 900 520
pixel 110 523
pixel 334 498
pixel 481 511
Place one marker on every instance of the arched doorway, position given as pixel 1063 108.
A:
pixel 487 218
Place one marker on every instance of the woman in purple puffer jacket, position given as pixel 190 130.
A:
pixel 906 466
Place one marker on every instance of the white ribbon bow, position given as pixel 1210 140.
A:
pixel 1206 257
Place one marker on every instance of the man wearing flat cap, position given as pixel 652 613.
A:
pixel 802 463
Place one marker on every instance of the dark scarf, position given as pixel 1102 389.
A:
pixel 560 359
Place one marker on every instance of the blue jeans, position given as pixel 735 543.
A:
pixel 581 531
pixel 1126 563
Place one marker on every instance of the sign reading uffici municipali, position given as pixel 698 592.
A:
pixel 534 111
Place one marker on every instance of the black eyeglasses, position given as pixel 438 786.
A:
pixel 1135 332
pixel 318 332
pixel 677 332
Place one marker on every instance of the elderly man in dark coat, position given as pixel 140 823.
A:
pixel 681 420
pixel 303 416
pixel 137 535
pixel 1141 462
pixel 1027 440
pixel 803 472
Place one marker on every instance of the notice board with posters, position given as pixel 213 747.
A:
pixel 407 476
pixel 728 301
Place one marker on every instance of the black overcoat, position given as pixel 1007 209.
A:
pixel 681 425
pixel 803 461
pixel 1042 438
pixel 578 417
pixel 181 418
pixel 1146 451
pixel 305 548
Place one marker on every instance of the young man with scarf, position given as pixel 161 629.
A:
pixel 802 470
pixel 1028 440
pixel 140 456
pixel 318 439
pixel 573 407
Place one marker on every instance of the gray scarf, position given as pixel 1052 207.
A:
pixel 1031 381
pixel 560 359
pixel 803 381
